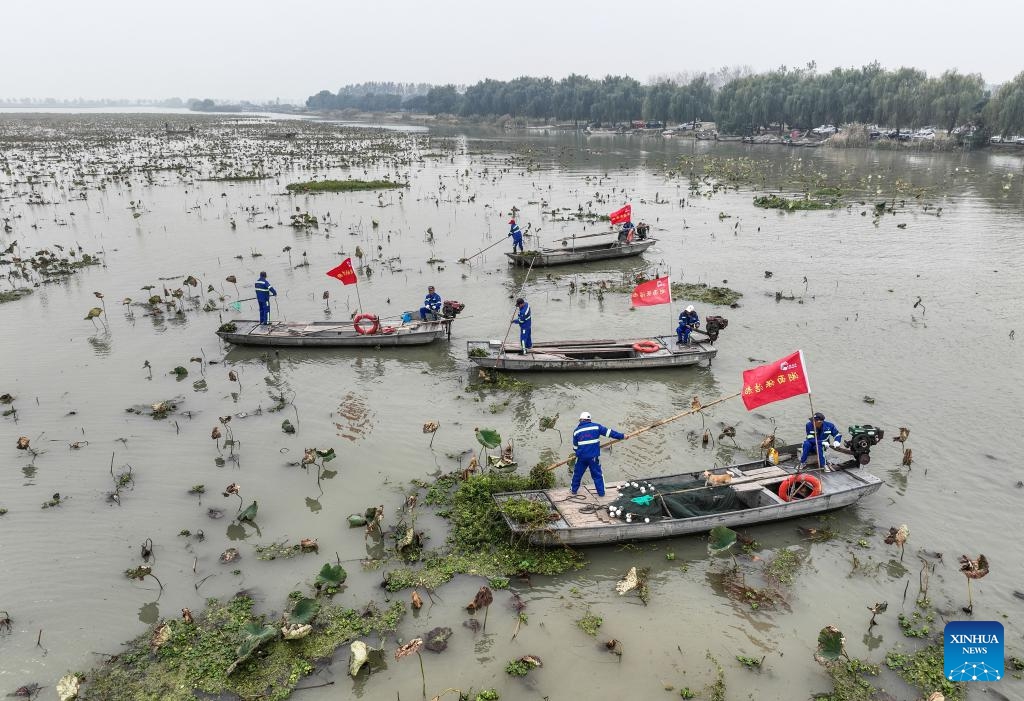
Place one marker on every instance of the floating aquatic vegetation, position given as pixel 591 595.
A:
pixel 522 666
pixel 589 623
pixel 342 185
pixel 792 205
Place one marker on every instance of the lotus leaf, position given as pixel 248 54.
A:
pixel 304 611
pixel 488 437
pixel 720 540
pixel 255 636
pixel 250 512
pixel 331 576
pixel 830 645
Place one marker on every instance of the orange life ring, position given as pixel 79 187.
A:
pixel 647 346
pixel 795 487
pixel 373 328
pixel 388 329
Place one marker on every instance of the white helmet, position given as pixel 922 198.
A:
pixel 585 416
pixel 690 308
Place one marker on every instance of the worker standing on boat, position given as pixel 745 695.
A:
pixel 820 434
pixel 525 322
pixel 689 320
pixel 431 304
pixel 626 232
pixel 264 290
pixel 586 441
pixel 517 235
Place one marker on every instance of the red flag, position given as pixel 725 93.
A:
pixel 769 383
pixel 657 291
pixel 621 215
pixel 344 273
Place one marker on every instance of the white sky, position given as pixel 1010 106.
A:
pixel 262 49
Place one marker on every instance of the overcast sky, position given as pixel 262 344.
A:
pixel 262 49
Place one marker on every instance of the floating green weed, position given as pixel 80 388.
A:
pixel 342 185
pixel 924 670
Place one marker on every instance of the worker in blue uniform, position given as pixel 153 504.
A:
pixel 264 290
pixel 431 304
pixel 626 232
pixel 820 435
pixel 586 441
pixel 517 235
pixel 688 321
pixel 525 322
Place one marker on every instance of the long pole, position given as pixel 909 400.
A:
pixel 359 301
pixel 810 401
pixel 509 329
pixel 662 422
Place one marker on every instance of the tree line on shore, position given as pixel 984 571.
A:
pixel 746 101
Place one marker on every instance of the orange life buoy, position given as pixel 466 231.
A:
pixel 647 346
pixel 388 329
pixel 373 328
pixel 796 487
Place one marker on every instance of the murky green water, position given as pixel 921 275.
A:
pixel 949 369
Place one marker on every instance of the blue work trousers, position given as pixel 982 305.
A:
pixel 592 464
pixel 264 310
pixel 526 335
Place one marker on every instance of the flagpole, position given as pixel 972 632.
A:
pixel 669 278
pixel 359 301
pixel 810 401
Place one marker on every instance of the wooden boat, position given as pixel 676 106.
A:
pixel 751 498
pixel 595 354
pixel 571 253
pixel 246 332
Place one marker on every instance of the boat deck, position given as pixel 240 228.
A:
pixel 569 506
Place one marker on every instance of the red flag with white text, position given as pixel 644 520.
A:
pixel 786 377
pixel 620 216
pixel 656 291
pixel 344 273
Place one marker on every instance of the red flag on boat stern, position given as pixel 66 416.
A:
pixel 620 216
pixel 344 272
pixel 786 377
pixel 657 291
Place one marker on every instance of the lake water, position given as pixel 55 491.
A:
pixel 948 368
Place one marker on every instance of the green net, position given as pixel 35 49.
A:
pixel 642 500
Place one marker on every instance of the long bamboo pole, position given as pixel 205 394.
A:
pixel 662 422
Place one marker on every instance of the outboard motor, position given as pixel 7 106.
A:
pixel 714 324
pixel 861 440
pixel 451 309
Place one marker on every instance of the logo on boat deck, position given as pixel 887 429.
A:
pixel 973 651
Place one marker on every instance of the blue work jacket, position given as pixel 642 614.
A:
pixel 586 439
pixel 432 302
pixel 264 289
pixel 524 314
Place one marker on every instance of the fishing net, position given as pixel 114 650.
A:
pixel 641 500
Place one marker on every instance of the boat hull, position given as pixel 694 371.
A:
pixel 580 254
pixel 561 356
pixel 756 486
pixel 329 334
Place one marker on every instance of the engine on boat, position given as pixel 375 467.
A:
pixel 861 440
pixel 451 309
pixel 714 324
